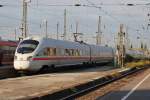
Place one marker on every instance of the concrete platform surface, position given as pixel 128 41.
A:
pixel 138 89
pixel 38 85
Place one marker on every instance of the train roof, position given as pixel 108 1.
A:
pixel 8 43
pixel 64 42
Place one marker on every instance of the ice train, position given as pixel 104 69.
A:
pixel 35 53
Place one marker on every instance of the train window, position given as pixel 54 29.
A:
pixel 67 52
pixel 27 46
pixel 51 51
pixel 78 53
pixel 72 52
pixel 47 52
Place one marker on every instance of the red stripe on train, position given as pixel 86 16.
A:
pixel 65 58
pixel 60 58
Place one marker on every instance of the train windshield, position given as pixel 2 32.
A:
pixel 27 46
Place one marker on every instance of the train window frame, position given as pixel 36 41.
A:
pixel 67 52
pixel 72 52
pixel 78 52
pixel 27 46
pixel 48 51
pixel 51 51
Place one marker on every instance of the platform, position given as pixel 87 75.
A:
pixel 138 89
pixel 40 85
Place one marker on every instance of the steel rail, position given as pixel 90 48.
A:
pixel 123 75
pixel 83 89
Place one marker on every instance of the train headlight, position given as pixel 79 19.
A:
pixel 29 58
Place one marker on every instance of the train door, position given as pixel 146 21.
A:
pixel 49 54
pixel 61 56
pixel 58 53
pixel 88 53
pixel 67 59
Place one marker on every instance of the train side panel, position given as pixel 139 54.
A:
pixel 102 54
pixel 59 54
pixel 34 53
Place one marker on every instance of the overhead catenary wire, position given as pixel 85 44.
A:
pixel 92 5
pixel 105 12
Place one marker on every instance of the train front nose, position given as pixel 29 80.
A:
pixel 21 65
pixel 24 53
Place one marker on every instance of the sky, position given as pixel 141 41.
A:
pixel 112 12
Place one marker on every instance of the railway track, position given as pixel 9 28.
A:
pixel 83 89
pixel 61 86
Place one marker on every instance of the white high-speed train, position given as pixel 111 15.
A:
pixel 34 53
pixel 136 54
